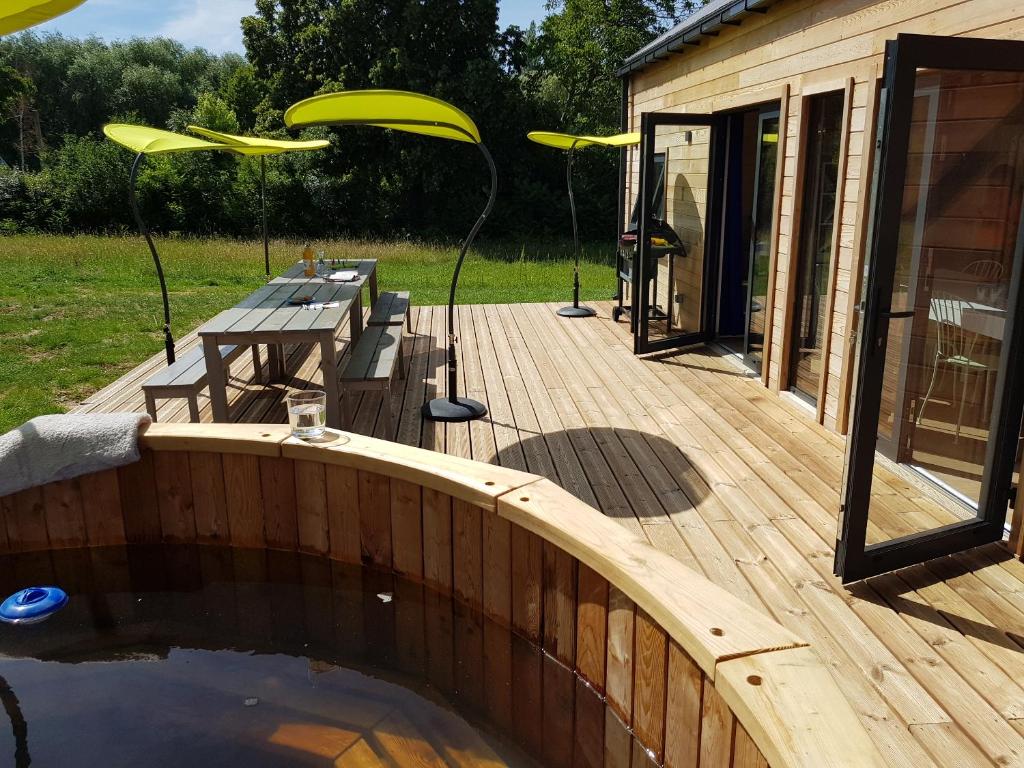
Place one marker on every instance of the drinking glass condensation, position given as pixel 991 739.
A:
pixel 307 413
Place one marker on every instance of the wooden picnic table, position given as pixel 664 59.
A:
pixel 267 316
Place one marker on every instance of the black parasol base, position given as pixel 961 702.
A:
pixel 461 409
pixel 577 311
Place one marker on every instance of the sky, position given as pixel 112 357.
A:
pixel 211 24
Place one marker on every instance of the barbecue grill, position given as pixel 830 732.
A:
pixel 665 243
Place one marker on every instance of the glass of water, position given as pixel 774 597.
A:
pixel 307 413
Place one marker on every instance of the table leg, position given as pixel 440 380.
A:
pixel 356 318
pixel 373 286
pixel 329 372
pixel 215 379
pixel 276 367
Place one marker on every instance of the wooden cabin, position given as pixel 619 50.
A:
pixel 844 171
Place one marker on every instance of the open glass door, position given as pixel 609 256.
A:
pixel 760 237
pixel 671 306
pixel 940 362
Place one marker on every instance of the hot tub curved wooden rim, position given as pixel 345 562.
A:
pixel 695 675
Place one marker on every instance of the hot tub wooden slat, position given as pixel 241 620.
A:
pixel 591 626
pixel 280 516
pixel 527 562
pixel 209 500
pixel 139 500
pixel 651 666
pixel 440 640
pixel 685 688
pixel 410 635
pixel 375 519
pixel 7 510
pixel 744 751
pixel 242 490
pixel 469 656
pixel 527 714
pixel 101 508
pixel 437 540
pixel 498 674
pixel 588 727
pixel 559 604
pixel 619 669
pixel 311 506
pixel 716 729
pixel 343 512
pixel 65 521
pixel 407 528
pixel 558 691
pixel 467 548
pixel 497 568
pixel 174 496
pixel 617 743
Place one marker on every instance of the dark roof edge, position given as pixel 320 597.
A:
pixel 707 22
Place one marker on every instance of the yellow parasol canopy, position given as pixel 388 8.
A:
pixel 153 141
pixel 16 15
pixel 252 145
pixel 398 110
pixel 569 141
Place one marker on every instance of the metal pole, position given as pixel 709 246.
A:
pixel 263 202
pixel 168 338
pixel 575 310
pixel 455 408
pixel 575 230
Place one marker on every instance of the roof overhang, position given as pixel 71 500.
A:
pixel 709 21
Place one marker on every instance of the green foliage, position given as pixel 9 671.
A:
pixel 559 75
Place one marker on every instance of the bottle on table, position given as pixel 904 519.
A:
pixel 307 261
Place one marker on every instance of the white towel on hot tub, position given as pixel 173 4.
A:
pixel 62 446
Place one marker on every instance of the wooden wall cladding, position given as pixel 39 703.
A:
pixel 591 648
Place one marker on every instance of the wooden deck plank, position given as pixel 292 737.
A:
pixel 713 468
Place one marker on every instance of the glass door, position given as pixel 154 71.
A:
pixel 678 229
pixel 814 248
pixel 940 378
pixel 760 238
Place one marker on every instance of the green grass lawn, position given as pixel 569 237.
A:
pixel 78 312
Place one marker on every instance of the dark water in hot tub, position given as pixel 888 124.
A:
pixel 204 656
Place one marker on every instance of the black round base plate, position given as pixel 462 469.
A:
pixel 580 311
pixel 463 409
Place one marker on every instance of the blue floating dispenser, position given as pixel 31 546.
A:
pixel 32 605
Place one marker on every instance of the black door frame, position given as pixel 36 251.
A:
pixel 855 559
pixel 765 113
pixel 649 122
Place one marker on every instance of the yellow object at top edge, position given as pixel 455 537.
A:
pixel 16 15
pixel 397 110
pixel 153 141
pixel 254 145
pixel 569 141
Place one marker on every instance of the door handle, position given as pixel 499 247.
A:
pixel 898 315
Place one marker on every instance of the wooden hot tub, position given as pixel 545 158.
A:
pixel 639 661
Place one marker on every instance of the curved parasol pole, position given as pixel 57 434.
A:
pixel 456 406
pixel 575 310
pixel 263 203
pixel 168 337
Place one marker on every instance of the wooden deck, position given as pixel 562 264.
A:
pixel 733 481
